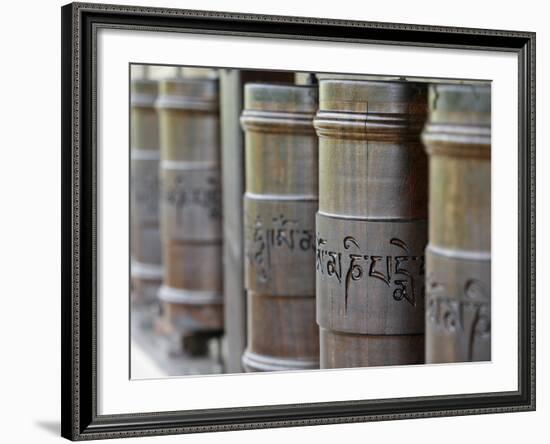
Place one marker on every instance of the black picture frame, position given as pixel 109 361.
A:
pixel 79 169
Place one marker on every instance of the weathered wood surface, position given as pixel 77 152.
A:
pixel 458 257
pixel 232 83
pixel 279 218
pixel 372 222
pixel 190 205
pixel 146 265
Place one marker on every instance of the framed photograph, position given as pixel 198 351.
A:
pixel 274 221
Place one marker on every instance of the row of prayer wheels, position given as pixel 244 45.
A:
pixel 366 218
pixel 176 206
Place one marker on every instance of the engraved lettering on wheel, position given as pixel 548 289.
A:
pixel 468 312
pixel 400 273
pixel 181 194
pixel 280 234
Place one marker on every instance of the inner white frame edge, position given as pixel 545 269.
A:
pixel 116 49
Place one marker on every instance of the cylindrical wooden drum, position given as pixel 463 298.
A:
pixel 190 205
pixel 458 258
pixel 279 222
pixel 146 265
pixel 372 223
pixel 232 83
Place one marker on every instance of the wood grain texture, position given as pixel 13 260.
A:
pixel 232 83
pixel 371 224
pixel 146 261
pixel 190 205
pixel 458 291
pixel 279 209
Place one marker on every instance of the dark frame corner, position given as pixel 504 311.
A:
pixel 79 414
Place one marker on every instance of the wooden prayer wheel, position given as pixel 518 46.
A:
pixel 279 224
pixel 190 204
pixel 372 223
pixel 458 257
pixel 146 265
pixel 232 83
